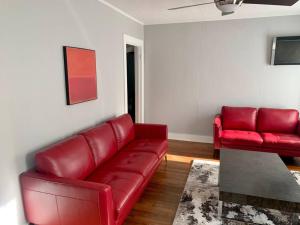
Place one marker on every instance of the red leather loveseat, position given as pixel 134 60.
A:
pixel 95 177
pixel 264 129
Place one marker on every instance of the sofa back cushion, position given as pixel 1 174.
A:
pixel 123 129
pixel 71 158
pixel 277 120
pixel 239 118
pixel 102 141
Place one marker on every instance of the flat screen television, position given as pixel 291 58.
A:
pixel 286 51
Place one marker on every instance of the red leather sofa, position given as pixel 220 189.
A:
pixel 264 129
pixel 94 177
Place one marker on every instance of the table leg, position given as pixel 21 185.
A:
pixel 220 208
pixel 295 219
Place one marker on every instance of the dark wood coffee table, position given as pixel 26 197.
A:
pixel 258 179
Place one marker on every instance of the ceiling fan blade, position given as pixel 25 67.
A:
pixel 272 2
pixel 226 13
pixel 189 6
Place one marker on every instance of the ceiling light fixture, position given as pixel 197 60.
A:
pixel 228 6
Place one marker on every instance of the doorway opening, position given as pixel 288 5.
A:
pixel 131 86
pixel 134 78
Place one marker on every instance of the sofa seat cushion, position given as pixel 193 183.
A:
pixel 139 162
pixel 157 146
pixel 243 138
pixel 287 141
pixel 124 185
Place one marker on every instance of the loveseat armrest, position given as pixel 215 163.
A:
pixel 48 198
pixel 151 131
pixel 299 127
pixel 217 131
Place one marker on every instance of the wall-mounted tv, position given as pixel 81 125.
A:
pixel 286 51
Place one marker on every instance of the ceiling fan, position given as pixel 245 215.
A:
pixel 229 6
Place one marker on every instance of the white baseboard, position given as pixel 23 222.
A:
pixel 191 137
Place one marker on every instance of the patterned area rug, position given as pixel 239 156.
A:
pixel 199 202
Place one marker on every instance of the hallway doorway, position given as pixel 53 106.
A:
pixel 134 78
pixel 131 87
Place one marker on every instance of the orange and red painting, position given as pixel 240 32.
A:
pixel 80 74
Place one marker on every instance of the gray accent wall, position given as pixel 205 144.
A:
pixel 193 69
pixel 33 111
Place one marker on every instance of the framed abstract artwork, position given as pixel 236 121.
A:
pixel 80 74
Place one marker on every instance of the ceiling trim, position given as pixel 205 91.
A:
pixel 120 11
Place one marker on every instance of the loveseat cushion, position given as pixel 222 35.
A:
pixel 157 146
pixel 102 142
pixel 285 141
pixel 124 186
pixel 138 162
pixel 70 158
pixel 277 120
pixel 241 138
pixel 123 129
pixel 239 118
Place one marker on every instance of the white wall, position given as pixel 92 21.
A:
pixel 193 69
pixel 32 88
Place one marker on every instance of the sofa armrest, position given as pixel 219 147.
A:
pixel 151 131
pixel 299 127
pixel 217 131
pixel 46 196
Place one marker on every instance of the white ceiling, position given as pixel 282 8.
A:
pixel 155 11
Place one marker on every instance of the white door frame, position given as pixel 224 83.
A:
pixel 139 76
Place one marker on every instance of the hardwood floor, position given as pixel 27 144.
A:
pixel 159 201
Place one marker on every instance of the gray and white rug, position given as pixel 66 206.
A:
pixel 199 202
